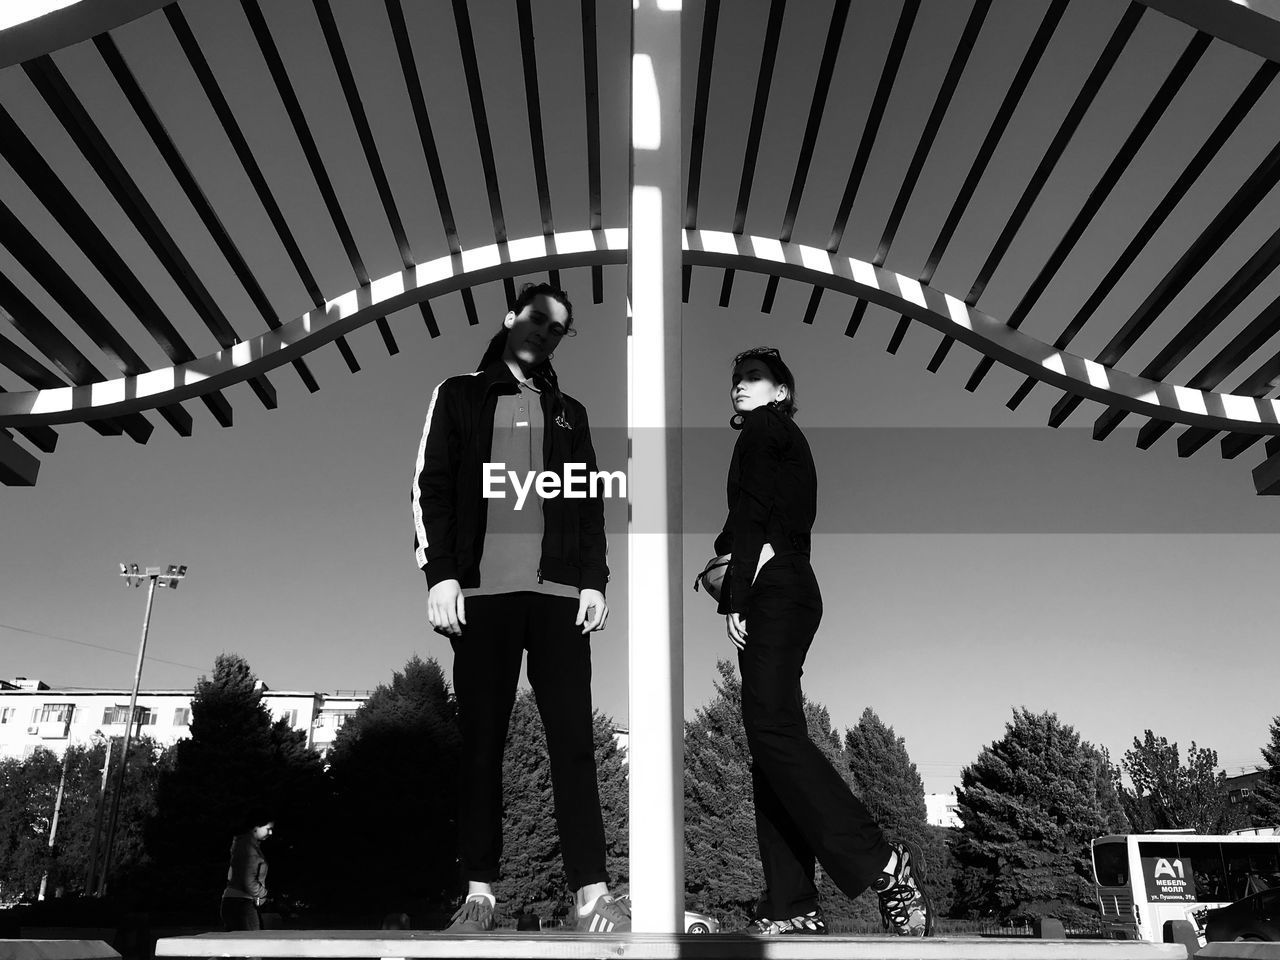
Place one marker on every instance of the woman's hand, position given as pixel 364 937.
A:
pixel 592 610
pixel 446 608
pixel 736 627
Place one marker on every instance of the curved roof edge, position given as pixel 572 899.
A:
pixel 69 26
pixel 1252 25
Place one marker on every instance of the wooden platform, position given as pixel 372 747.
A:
pixel 56 950
pixel 642 946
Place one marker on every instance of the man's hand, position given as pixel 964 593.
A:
pixel 592 610
pixel 446 608
pixel 736 627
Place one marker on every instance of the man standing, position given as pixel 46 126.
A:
pixel 506 575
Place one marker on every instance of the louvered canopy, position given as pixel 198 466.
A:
pixel 199 194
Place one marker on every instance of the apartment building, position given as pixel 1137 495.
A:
pixel 33 714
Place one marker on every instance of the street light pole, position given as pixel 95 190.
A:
pixel 134 577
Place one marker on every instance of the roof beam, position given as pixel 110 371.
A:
pixel 1253 25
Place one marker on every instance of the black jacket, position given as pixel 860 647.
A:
pixel 449 509
pixel 773 498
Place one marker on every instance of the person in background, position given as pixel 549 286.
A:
pixel 772 607
pixel 246 888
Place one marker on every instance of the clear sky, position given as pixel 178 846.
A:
pixel 972 560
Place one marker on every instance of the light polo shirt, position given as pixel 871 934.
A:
pixel 513 538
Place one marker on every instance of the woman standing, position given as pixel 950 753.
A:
pixel 246 877
pixel 772 606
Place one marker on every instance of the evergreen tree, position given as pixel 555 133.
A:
pixel 722 860
pixel 394 768
pixel 887 780
pixel 1030 805
pixel 237 761
pixel 1167 794
pixel 890 786
pixel 532 875
pixel 1267 792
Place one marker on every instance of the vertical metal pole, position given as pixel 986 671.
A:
pixel 57 807
pixel 128 731
pixel 655 527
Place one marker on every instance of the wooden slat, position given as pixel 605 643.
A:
pixel 1241 284
pixel 1208 150
pixel 199 201
pixel 1053 153
pixel 480 118
pixel 751 152
pixel 999 123
pixel 426 136
pixel 698 130
pixel 1191 55
pixel 298 121
pixel 641 946
pixel 591 103
pixel 83 312
pixel 18 468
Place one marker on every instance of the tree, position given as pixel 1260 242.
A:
pixel 237 761
pixel 1267 792
pixel 890 786
pixel 1167 794
pixel 394 770
pixel 28 793
pixel 722 860
pixel 532 875
pixel 1030 804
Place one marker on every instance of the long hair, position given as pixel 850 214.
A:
pixel 543 375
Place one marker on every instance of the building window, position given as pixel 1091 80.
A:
pixel 290 717
pixel 182 717
pixel 54 713
pixel 6 714
pixel 116 714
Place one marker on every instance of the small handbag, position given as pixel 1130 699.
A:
pixel 711 579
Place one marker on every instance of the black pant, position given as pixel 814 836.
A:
pixel 239 913
pixel 486 670
pixel 803 806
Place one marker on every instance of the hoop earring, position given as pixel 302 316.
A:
pixel 738 421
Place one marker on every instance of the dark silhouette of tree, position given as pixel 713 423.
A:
pixel 1030 804
pixel 1267 792
pixel 532 874
pixel 237 761
pixel 394 767
pixel 1168 794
